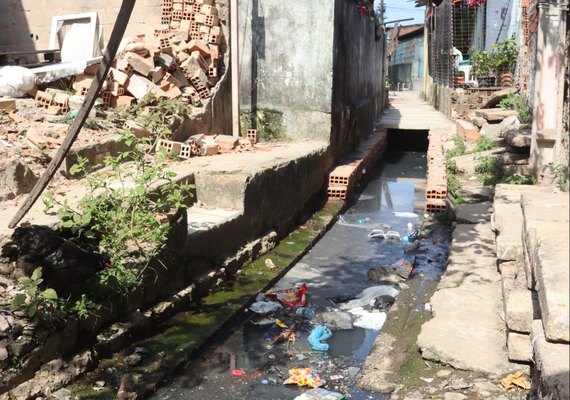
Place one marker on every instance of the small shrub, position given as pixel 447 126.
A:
pixel 483 144
pixel 517 179
pixel 40 305
pixel 458 149
pixel 269 123
pixel 491 170
pixel 515 102
pixel 453 184
pixel 561 176
pixel 124 209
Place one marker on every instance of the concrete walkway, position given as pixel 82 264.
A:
pixel 406 110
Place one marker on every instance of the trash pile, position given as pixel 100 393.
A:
pixel 291 322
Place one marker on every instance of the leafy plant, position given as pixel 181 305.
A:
pixel 269 123
pixel 481 62
pixel 158 116
pixel 84 308
pixel 491 170
pixel 561 176
pixel 505 55
pixel 125 209
pixel 483 144
pixel 458 147
pixel 39 305
pixel 517 179
pixel 453 184
pixel 517 103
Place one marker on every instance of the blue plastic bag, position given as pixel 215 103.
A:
pixel 319 334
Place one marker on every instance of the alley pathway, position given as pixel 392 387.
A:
pixel 407 110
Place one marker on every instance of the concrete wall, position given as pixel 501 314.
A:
pixel 318 64
pixel 358 79
pixel 26 24
pixel 286 62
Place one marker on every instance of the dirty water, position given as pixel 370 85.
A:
pixel 335 270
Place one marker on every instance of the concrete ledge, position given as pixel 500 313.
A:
pixel 520 347
pixel 552 362
pixel 547 237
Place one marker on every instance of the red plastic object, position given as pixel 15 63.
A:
pixel 238 372
pixel 291 297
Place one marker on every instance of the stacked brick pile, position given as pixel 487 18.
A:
pixel 344 177
pixel 181 60
pixel 436 188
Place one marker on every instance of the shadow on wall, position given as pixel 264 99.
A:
pixel 16 34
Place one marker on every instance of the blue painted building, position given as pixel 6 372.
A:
pixel 407 58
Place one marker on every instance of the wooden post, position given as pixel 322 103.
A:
pixel 110 52
pixel 234 54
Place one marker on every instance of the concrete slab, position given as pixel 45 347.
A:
pixel 476 240
pixel 520 347
pixel 495 114
pixel 468 315
pixel 553 282
pixel 552 360
pixel 474 213
pixel 408 111
pixel 546 238
pixel 519 310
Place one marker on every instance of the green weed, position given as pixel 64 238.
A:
pixel 458 149
pixel 483 144
pixel 517 103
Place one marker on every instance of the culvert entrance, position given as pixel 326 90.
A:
pixel 408 140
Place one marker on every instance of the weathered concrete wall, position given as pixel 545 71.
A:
pixel 320 65
pixel 440 98
pixel 26 24
pixel 286 62
pixel 358 79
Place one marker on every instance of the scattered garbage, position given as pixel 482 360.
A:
pixel 265 307
pixel 408 248
pixel 383 274
pixel 262 321
pixel 319 334
pixel 269 264
pixel 291 297
pixel 377 234
pixel 369 295
pixel 303 377
pixel 373 320
pixel 320 394
pixel 415 235
pixel 427 307
pixel 393 235
pixel 363 221
pixel 402 214
pixel 383 303
pixel 428 380
pixel 380 234
pixel 238 372
pixel 516 379
pixel 305 312
pixel 16 81
pixel 402 268
pixel 336 320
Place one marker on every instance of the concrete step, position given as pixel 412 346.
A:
pixel 552 364
pixel 520 347
pixel 547 236
pixel 468 310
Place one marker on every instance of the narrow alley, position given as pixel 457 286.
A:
pixel 219 199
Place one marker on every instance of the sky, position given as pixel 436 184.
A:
pixel 400 9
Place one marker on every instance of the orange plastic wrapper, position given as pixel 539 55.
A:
pixel 291 297
pixel 303 377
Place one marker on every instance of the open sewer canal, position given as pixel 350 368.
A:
pixel 247 362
